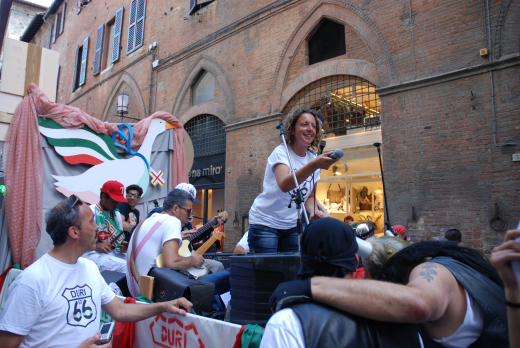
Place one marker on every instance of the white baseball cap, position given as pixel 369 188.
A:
pixel 190 189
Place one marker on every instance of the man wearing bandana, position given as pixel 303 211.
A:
pixel 110 229
pixel 329 248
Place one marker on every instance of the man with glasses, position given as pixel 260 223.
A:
pixel 107 255
pixel 161 233
pixel 57 301
pixel 129 214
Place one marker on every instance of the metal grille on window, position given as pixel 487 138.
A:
pixel 207 135
pixel 348 104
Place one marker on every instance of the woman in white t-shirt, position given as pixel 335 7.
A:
pixel 272 224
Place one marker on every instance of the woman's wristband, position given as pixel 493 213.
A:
pixel 512 304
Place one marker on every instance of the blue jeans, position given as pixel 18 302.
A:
pixel 263 239
pixel 221 280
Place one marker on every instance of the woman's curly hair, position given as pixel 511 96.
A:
pixel 289 123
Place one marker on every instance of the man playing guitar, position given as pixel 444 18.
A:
pixel 161 234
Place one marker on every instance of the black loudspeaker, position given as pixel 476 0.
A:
pixel 170 284
pixel 254 277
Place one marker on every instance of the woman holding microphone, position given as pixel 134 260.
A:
pixel 272 225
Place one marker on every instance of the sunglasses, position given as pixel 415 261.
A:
pixel 75 200
pixel 133 195
pixel 189 211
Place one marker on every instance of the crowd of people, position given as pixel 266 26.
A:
pixel 422 294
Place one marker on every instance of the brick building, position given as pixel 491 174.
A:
pixel 407 74
pixel 22 13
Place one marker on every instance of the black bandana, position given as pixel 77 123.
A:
pixel 328 248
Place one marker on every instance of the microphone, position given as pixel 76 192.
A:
pixel 337 154
pixel 323 143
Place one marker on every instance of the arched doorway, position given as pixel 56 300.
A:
pixel 351 121
pixel 207 173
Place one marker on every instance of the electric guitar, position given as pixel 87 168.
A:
pixel 186 248
pixel 195 271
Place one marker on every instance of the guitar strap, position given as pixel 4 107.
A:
pixel 135 251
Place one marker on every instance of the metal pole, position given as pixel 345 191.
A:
pixel 387 222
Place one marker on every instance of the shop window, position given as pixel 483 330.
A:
pixel 196 5
pixel 353 187
pixel 207 135
pixel 203 88
pixel 327 42
pixel 207 173
pixel 348 104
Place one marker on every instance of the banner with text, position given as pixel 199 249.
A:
pixel 171 330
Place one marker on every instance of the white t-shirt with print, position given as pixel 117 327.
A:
pixel 270 207
pixel 169 229
pixel 55 304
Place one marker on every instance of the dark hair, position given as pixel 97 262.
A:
pixel 453 235
pixel 397 267
pixel 348 217
pixel 176 197
pixel 289 123
pixel 135 188
pixel 60 218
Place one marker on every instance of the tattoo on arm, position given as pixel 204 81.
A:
pixel 429 271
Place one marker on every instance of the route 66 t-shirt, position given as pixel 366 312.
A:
pixel 55 304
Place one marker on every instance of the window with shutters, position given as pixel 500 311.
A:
pixel 196 5
pixel 136 25
pixel 77 68
pixel 108 42
pixel 80 66
pixel 59 23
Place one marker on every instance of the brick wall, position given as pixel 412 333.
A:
pixel 439 153
pixel 20 17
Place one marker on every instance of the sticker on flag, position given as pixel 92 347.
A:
pixel 157 177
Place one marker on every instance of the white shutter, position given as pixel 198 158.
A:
pixel 99 45
pixel 131 27
pixel 63 17
pixel 54 29
pixel 193 4
pixel 118 26
pixel 75 69
pixel 139 31
pixel 84 56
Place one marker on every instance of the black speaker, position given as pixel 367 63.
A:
pixel 254 277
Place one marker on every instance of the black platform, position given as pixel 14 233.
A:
pixel 254 277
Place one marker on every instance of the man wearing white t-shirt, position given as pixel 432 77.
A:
pixel 57 301
pixel 161 233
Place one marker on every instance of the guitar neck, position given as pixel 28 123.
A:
pixel 206 245
pixel 203 229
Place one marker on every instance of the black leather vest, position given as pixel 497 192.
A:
pixel 329 328
pixel 489 296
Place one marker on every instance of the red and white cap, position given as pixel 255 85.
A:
pixel 400 230
pixel 115 190
pixel 190 189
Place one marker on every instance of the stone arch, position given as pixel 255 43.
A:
pixel 213 67
pixel 361 68
pixel 208 107
pixel 348 15
pixel 128 80
pixel 503 36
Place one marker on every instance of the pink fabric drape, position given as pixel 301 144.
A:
pixel 24 164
